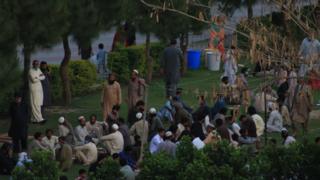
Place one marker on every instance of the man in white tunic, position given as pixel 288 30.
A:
pixel 36 92
pixel 230 65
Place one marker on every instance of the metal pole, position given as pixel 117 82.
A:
pixel 265 108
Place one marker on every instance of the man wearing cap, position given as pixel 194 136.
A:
pixel 65 130
pixel 87 153
pixel 36 92
pixel 155 122
pixel 81 131
pixel 19 124
pixel 301 105
pixel 111 95
pixel 167 145
pixel 140 128
pixel 170 67
pixel 113 142
pixel 136 89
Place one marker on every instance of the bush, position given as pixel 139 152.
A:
pixel 222 161
pixel 124 60
pixel 42 167
pixel 158 166
pixel 109 169
pixel 82 76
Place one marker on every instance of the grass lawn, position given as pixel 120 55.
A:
pixel 192 83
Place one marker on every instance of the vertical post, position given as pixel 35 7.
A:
pixel 265 108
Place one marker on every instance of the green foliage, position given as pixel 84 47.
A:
pixel 109 169
pixel 9 73
pixel 82 76
pixel 42 167
pixel 222 161
pixel 124 60
pixel 159 166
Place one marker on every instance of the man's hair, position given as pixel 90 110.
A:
pixel 161 130
pixel 219 122
pixel 123 162
pixel 173 42
pixel 140 103
pixel 37 135
pixel 100 46
pixel 223 111
pixel 93 115
pixel 252 110
pixel 242 117
pixel 116 107
pixel 62 138
pixel 49 130
pixel 82 171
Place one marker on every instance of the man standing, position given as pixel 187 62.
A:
pixel 309 52
pixel 170 67
pixel 36 92
pixel 230 65
pixel 101 60
pixel 111 95
pixel 301 105
pixel 19 124
pixel 136 89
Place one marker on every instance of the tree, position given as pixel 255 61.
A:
pixel 85 25
pixel 172 25
pixel 40 25
pixel 139 15
pixel 9 74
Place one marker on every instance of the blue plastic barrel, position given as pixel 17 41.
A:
pixel 194 59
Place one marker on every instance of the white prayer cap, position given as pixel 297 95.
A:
pixel 135 71
pixel 152 110
pixel 80 117
pixel 115 127
pixel 284 130
pixel 61 120
pixel 168 134
pixel 139 115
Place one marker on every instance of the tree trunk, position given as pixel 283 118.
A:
pixel 184 41
pixel 85 51
pixel 26 67
pixel 66 91
pixel 149 59
pixel 250 9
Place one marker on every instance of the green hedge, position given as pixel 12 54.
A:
pixel 222 161
pixel 82 76
pixel 124 60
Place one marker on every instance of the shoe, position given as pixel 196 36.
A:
pixel 43 122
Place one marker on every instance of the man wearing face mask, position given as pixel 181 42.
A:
pixel 36 92
pixel 309 52
pixel 111 95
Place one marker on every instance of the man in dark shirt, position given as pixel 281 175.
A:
pixel 19 124
pixel 170 67
pixel 248 124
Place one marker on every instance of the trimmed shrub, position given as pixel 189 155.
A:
pixel 124 60
pixel 109 169
pixel 82 76
pixel 41 167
